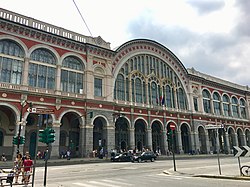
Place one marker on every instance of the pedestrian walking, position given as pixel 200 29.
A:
pixel 18 163
pixel 28 166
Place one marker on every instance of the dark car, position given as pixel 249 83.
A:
pixel 122 157
pixel 145 156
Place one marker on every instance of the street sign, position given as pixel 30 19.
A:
pixel 42 110
pixel 210 126
pixel 172 126
pixel 243 151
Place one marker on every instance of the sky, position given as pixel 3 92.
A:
pixel 212 36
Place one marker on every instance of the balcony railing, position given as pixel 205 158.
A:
pixel 18 18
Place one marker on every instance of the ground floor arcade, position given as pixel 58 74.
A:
pixel 82 134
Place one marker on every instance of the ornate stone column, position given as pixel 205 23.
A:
pixel 179 142
pixel 165 144
pixel 110 141
pixel 196 140
pixel 88 141
pixel 55 153
pixel 236 139
pixel 149 139
pixel 207 141
pixel 82 140
pixel 132 138
pixel 227 146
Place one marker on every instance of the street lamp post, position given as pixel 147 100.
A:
pixel 20 125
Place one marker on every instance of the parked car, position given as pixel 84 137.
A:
pixel 145 156
pixel 122 157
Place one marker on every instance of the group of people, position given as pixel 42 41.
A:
pixel 23 165
pixel 3 158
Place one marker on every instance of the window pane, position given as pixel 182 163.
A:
pixel 98 87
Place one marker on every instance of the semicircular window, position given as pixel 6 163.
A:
pixel 72 75
pixel 11 62
pixel 42 69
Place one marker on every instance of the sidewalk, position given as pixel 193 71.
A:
pixel 228 171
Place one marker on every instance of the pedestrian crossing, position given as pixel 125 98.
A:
pixel 123 182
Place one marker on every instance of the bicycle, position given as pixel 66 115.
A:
pixel 245 170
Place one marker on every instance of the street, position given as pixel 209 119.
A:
pixel 123 174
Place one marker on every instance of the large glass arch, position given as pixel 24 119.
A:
pixel 42 69
pixel 11 62
pixel 72 75
pixel 160 85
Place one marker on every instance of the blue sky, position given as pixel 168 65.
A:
pixel 213 36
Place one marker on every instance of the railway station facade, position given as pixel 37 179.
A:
pixel 122 99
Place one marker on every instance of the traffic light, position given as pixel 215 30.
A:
pixel 50 135
pixel 42 136
pixel 15 140
pixel 22 140
pixel 170 136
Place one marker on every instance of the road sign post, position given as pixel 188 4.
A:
pixel 242 151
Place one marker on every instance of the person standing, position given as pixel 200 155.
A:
pixel 18 163
pixel 27 167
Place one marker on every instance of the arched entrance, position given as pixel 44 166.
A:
pixel 185 138
pixel 157 137
pixel 70 134
pixel 140 134
pixel 100 136
pixel 231 138
pixel 32 146
pixel 240 137
pixel 202 140
pixel 121 134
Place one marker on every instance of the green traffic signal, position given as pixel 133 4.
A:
pixel 42 136
pixel 50 135
pixel 22 140
pixel 15 140
pixel 47 136
pixel 170 135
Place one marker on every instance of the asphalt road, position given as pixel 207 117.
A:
pixel 150 174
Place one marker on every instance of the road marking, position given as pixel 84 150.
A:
pixel 102 184
pixel 81 184
pixel 117 182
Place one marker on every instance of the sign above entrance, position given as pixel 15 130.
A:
pixel 210 126
pixel 41 110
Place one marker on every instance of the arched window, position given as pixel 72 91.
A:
pixel 206 101
pixel 226 104
pixel 72 75
pixel 243 108
pixel 154 93
pixel 120 87
pixel 11 62
pixel 216 101
pixel 169 101
pixel 42 69
pixel 181 99
pixel 138 90
pixel 235 107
